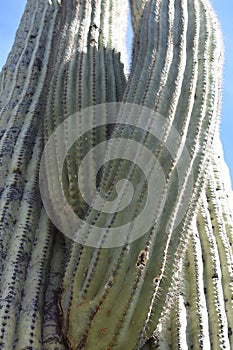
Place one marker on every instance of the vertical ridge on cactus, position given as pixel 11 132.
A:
pixel 171 288
pixel 207 270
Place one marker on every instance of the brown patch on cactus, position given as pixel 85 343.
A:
pixel 142 258
pixel 104 330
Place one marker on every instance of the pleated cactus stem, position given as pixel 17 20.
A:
pixel 181 82
pixel 202 316
pixel 170 288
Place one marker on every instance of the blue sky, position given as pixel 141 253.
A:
pixel 11 11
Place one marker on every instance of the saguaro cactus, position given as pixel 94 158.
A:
pixel 172 287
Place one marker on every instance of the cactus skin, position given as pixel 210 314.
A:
pixel 105 288
pixel 50 301
pixel 33 252
pixel 205 288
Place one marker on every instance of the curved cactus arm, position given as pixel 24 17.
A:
pixel 218 194
pixel 205 285
pixel 25 235
pixel 215 259
pixel 44 41
pixel 18 244
pixel 92 85
pixel 119 292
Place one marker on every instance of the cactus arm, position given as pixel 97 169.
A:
pixel 19 246
pixel 86 62
pixel 18 132
pixel 21 146
pixel 200 181
pixel 20 158
pixel 220 252
pixel 140 287
pixel 205 285
pixel 110 91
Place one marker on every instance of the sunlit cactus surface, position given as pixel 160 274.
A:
pixel 172 288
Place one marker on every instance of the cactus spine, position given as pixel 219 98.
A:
pixel 57 294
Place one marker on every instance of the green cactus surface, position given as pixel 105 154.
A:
pixel 172 288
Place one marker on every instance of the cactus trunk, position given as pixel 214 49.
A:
pixel 172 287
